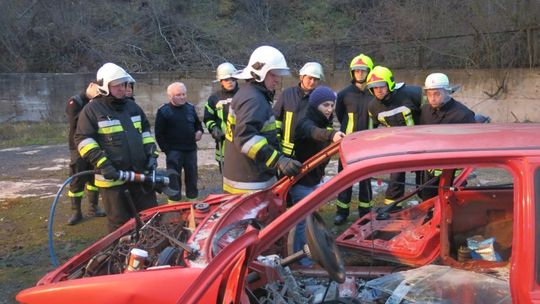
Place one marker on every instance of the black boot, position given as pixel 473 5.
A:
pixel 76 217
pixel 363 211
pixel 341 216
pixel 93 208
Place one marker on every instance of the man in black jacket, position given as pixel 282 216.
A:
pixel 178 128
pixel 76 188
pixel 395 105
pixel 292 104
pixel 441 108
pixel 113 134
pixel 252 151
pixel 352 113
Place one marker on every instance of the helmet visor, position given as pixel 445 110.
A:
pixel 360 67
pixel 281 72
pixel 377 84
pixel 118 81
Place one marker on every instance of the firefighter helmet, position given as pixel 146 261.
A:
pixel 360 62
pixel 380 76
pixel 224 71
pixel 313 69
pixel 437 81
pixel 131 79
pixel 264 59
pixel 111 74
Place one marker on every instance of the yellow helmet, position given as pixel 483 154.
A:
pixel 380 76
pixel 360 62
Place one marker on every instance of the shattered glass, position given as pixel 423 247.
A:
pixel 437 284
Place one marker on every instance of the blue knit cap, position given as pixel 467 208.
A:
pixel 321 94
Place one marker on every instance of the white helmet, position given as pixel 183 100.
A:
pixel 225 70
pixel 313 69
pixel 437 81
pixel 262 60
pixel 111 74
pixel 131 79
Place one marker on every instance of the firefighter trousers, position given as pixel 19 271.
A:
pixel 117 206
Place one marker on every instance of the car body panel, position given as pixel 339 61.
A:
pixel 222 255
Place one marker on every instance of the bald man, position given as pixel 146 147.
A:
pixel 178 129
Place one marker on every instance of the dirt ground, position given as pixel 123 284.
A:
pixel 29 180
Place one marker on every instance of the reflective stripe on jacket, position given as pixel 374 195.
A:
pixel 352 109
pixel 115 131
pixel 216 111
pixel 289 109
pixel 251 146
pixel 400 108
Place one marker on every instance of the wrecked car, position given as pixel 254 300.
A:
pixel 233 248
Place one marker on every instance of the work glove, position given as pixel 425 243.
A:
pixel 288 166
pixel 151 164
pixel 110 172
pixel 217 134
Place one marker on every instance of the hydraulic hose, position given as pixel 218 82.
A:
pixel 54 261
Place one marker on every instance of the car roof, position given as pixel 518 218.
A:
pixel 439 138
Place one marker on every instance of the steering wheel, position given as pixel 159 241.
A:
pixel 323 248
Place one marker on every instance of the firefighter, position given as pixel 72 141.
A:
pixel 113 134
pixel 130 87
pixel 292 104
pixel 77 164
pixel 217 107
pixel 352 114
pixel 252 152
pixel 441 108
pixel 395 104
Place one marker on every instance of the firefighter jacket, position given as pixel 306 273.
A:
pixel 352 109
pixel 313 133
pixel 400 107
pixel 251 145
pixel 73 107
pixel 289 109
pixel 216 111
pixel 451 112
pixel 176 127
pixel 114 132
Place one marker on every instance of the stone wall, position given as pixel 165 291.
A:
pixel 504 95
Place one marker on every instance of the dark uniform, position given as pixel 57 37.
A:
pixel 289 109
pixel 215 114
pixel 400 107
pixel 352 113
pixel 77 164
pixel 451 112
pixel 115 132
pixel 252 145
pixel 175 133
pixel 313 133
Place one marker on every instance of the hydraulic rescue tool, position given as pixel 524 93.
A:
pixel 158 181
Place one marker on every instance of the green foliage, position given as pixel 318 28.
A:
pixel 167 35
pixel 28 133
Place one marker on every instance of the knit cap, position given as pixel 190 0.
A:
pixel 321 94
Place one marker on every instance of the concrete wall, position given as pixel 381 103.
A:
pixel 42 97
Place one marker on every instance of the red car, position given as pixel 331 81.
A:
pixel 476 241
